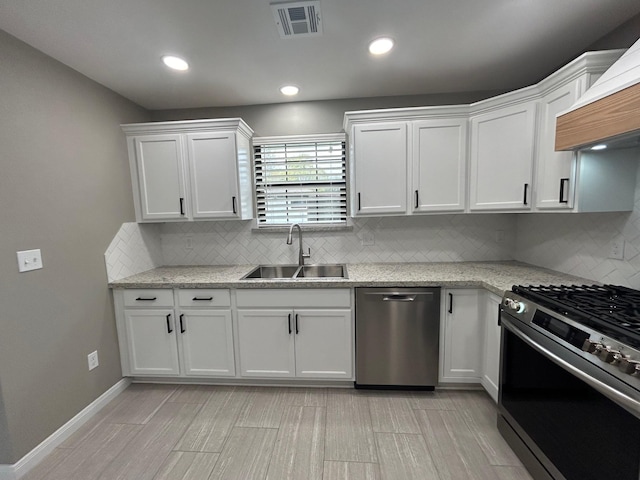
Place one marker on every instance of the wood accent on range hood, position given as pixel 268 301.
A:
pixel 616 115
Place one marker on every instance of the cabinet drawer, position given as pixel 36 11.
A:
pixel 148 297
pixel 326 297
pixel 199 297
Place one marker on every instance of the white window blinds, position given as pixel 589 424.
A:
pixel 300 180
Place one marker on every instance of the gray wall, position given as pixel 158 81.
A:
pixel 300 118
pixel 64 188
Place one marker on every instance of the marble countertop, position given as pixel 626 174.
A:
pixel 493 276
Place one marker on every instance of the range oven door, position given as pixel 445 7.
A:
pixel 563 423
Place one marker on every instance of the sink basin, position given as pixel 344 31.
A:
pixel 272 271
pixel 276 272
pixel 322 271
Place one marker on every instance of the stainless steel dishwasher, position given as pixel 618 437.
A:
pixel 397 336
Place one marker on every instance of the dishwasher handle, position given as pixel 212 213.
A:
pixel 398 298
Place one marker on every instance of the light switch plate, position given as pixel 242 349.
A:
pixel 29 260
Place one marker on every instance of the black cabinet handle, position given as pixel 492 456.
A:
pixel 182 329
pixel 181 206
pixel 297 331
pixel 289 324
pixel 202 299
pixel 562 183
pixel 526 189
pixel 233 202
pixel 358 201
pixel 146 299
pixel 417 202
pixel 451 303
pixel 169 329
pixel 499 310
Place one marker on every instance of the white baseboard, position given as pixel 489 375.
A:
pixel 35 456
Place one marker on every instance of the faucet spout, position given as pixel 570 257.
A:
pixel 301 254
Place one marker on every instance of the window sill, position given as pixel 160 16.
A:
pixel 305 228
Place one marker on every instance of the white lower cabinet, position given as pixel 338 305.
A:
pixel 206 337
pixel 491 365
pixel 461 336
pixel 170 342
pixel 151 341
pixel 296 341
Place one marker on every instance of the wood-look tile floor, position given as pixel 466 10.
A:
pixel 166 432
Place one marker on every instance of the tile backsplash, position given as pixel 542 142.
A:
pixel 435 238
pixel 135 248
pixel 580 244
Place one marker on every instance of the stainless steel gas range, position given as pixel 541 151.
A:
pixel 569 401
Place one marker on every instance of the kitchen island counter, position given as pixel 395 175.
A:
pixel 493 276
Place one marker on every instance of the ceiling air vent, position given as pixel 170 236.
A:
pixel 297 19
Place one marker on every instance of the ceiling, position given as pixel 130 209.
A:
pixel 238 58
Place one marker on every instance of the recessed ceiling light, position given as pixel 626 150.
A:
pixel 602 146
pixel 176 63
pixel 289 90
pixel 381 45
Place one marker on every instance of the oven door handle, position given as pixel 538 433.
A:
pixel 630 404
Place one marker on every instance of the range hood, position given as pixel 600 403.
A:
pixel 608 112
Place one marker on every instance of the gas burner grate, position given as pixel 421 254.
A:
pixel 612 307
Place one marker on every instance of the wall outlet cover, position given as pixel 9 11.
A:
pixel 29 260
pixel 617 249
pixel 92 359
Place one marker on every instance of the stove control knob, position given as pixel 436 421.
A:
pixel 590 346
pixel 629 366
pixel 609 355
pixel 519 307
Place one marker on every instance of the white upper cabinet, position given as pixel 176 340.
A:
pixel 555 170
pixel 191 170
pixel 439 165
pixel 158 162
pixel 502 148
pixel 380 169
pixel 408 160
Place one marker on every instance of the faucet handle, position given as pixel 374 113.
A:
pixel 308 254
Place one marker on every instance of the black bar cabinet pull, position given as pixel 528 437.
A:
pixel 499 312
pixel 297 331
pixel 169 329
pixel 233 202
pixel 451 303
pixel 562 183
pixel 202 299
pixel 182 329
pixel 417 197
pixel 358 201
pixel 181 206
pixel 289 324
pixel 146 299
pixel 526 189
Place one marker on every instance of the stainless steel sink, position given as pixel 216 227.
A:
pixel 278 272
pixel 272 271
pixel 322 271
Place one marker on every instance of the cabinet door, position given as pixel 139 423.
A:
pixel 207 342
pixel 323 343
pixel 213 174
pixel 555 170
pixel 159 161
pixel 151 340
pixel 491 369
pixel 462 337
pixel 439 159
pixel 266 342
pixel 380 157
pixel 502 144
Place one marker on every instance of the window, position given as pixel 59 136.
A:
pixel 300 180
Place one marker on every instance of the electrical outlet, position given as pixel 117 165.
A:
pixel 188 243
pixel 499 236
pixel 92 358
pixel 617 249
pixel 368 238
pixel 29 260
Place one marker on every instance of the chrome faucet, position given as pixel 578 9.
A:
pixel 301 254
